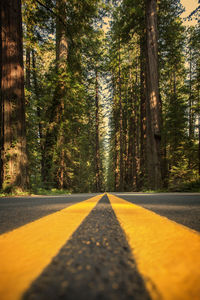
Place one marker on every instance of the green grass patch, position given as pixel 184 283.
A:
pixel 188 187
pixel 51 192
pixel 14 193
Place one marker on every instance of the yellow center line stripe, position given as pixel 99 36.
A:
pixel 26 251
pixel 167 254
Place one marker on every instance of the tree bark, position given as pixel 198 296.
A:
pixel 61 58
pixel 143 124
pixel 40 126
pixel 152 98
pixel 120 125
pixel 116 140
pixel 191 110
pixel 61 38
pixel 28 68
pixel 55 132
pixel 137 130
pixel 199 129
pixel 97 148
pixel 13 151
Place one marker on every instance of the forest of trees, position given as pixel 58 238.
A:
pixel 67 66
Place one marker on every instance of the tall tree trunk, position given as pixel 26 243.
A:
pixel 1 110
pixel 137 130
pixel 116 140
pixel 120 124
pixel 175 143
pixel 199 128
pixel 128 135
pixel 61 58
pixel 191 112
pixel 143 123
pixel 55 132
pixel 13 151
pixel 61 38
pixel 152 98
pixel 117 160
pixel 28 68
pixel 97 148
pixel 40 126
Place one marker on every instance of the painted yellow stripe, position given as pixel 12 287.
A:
pixel 167 254
pixel 26 251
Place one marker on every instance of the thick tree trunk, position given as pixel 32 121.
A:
pixel 13 151
pixel 1 109
pixel 152 98
pixel 29 33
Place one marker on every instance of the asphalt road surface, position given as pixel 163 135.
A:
pixel 183 208
pixel 179 207
pixel 116 252
pixel 18 211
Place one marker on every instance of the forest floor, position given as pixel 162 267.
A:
pixel 190 187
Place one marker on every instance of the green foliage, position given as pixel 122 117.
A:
pixel 60 95
pixel 179 90
pixel 61 99
pixel 51 192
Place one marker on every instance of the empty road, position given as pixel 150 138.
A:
pixel 100 246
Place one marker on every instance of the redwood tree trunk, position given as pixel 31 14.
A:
pixel 13 148
pixel 152 98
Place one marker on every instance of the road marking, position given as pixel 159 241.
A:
pixel 26 251
pixel 167 254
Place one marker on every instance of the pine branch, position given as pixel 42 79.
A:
pixel 59 18
pixel 193 12
pixel 52 12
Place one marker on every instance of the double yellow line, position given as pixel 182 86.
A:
pixel 167 254
pixel 26 251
